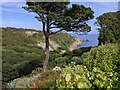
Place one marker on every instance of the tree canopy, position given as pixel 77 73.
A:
pixel 109 31
pixel 58 15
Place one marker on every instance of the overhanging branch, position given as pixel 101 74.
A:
pixel 56 31
pixel 54 27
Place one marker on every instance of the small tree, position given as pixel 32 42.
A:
pixel 109 31
pixel 58 15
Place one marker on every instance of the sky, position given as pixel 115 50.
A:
pixel 13 15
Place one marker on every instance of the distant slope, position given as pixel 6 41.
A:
pixel 21 54
pixel 19 36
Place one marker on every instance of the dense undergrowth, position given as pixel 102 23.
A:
pixel 100 69
pixel 83 74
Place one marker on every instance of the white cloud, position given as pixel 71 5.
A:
pixel 13 4
pixel 13 10
pixel 13 0
pixel 13 7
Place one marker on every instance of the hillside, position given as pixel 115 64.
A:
pixel 22 50
pixel 34 37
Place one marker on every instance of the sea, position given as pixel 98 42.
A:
pixel 93 39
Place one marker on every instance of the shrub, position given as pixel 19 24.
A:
pixel 78 60
pixel 60 61
pixel 80 77
pixel 106 57
pixel 20 70
pixel 74 77
pixel 77 52
pixel 101 79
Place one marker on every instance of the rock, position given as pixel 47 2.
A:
pixel 41 44
pixel 30 33
pixel 54 45
pixel 76 43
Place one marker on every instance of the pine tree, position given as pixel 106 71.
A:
pixel 58 15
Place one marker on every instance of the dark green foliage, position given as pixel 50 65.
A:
pixel 57 59
pixel 76 52
pixel 77 60
pixel 60 61
pixel 58 15
pixel 110 29
pixel 11 73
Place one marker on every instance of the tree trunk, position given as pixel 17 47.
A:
pixel 46 53
pixel 46 34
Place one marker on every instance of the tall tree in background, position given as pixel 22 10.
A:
pixel 58 15
pixel 109 31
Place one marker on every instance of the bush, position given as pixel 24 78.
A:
pixel 77 60
pixel 20 49
pixel 109 31
pixel 21 69
pixel 80 77
pixel 101 79
pixel 60 61
pixel 74 77
pixel 106 57
pixel 77 52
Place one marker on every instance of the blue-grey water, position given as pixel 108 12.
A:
pixel 91 37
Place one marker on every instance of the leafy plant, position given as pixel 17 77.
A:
pixel 107 58
pixel 74 77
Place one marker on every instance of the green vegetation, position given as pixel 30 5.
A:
pixel 87 67
pixel 80 77
pixel 101 69
pixel 62 39
pixel 109 31
pixel 20 53
pixel 106 57
pixel 74 77
pixel 64 59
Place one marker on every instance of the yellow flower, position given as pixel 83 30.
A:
pixel 68 77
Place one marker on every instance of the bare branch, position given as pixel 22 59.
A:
pixel 56 31
pixel 54 27
pixel 52 23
